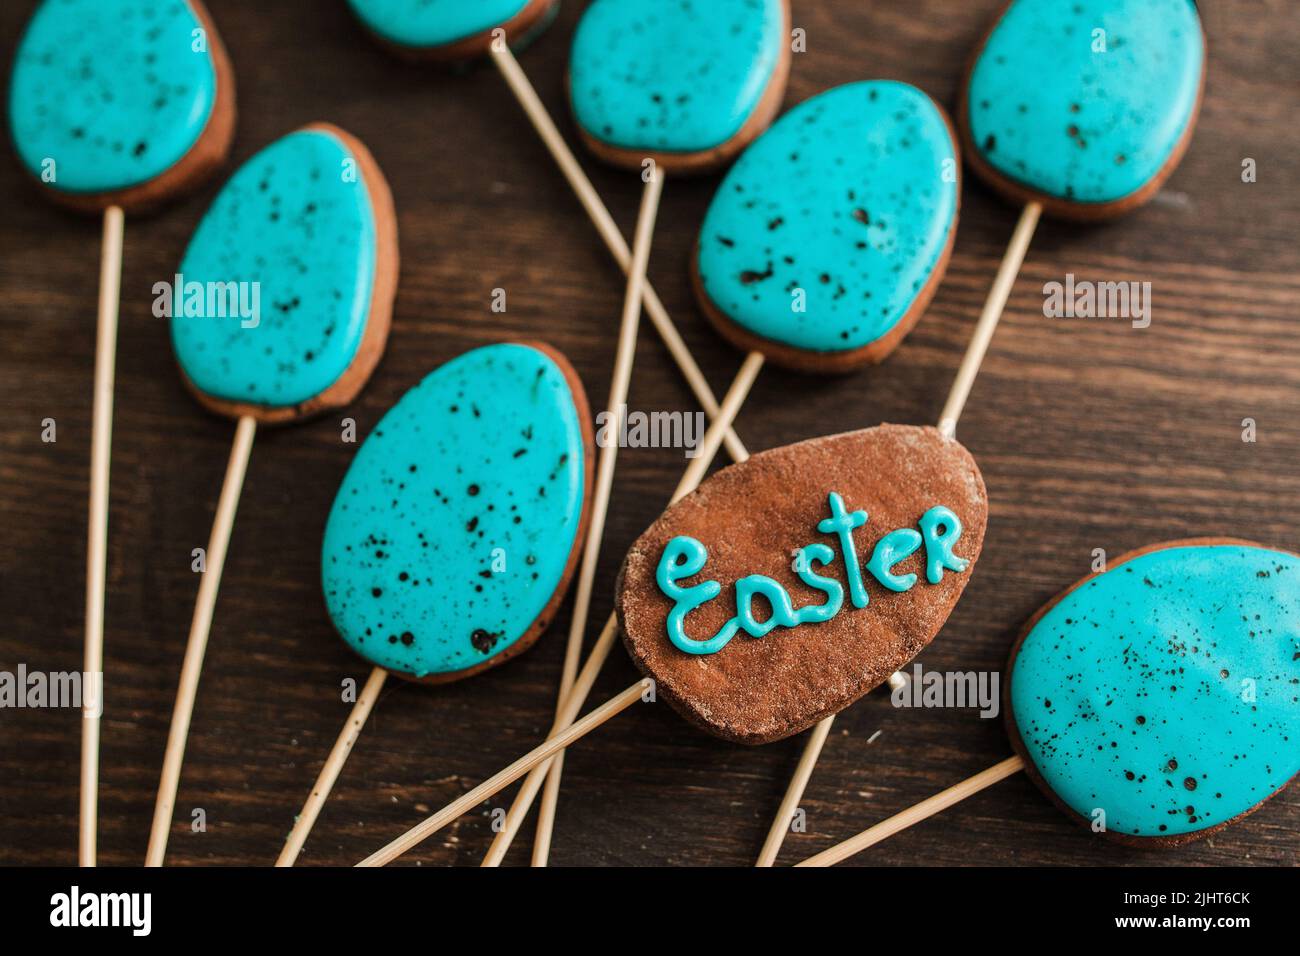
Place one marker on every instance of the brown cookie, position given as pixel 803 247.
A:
pixel 752 519
pixel 383 292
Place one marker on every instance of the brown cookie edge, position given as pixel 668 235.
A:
pixel 518 28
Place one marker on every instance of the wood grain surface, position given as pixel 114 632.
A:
pixel 1090 434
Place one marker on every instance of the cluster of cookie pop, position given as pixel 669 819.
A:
pixel 774 594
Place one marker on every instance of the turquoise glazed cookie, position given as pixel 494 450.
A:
pixel 431 24
pixel 283 280
pixel 453 535
pixel 1166 691
pixel 107 95
pixel 677 78
pixel 828 237
pixel 1088 103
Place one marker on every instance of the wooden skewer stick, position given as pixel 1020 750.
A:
pixel 617 414
pixel 693 475
pixel 197 645
pixel 599 215
pixel 101 444
pixel 812 749
pixel 994 305
pixel 510 774
pixel 1012 260
pixel 329 774
pixel 913 815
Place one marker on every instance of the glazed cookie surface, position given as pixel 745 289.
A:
pixel 455 529
pixel 109 94
pixel 831 232
pixel 434 23
pixel 300 236
pixel 786 587
pixel 1087 101
pixel 1166 691
pixel 675 76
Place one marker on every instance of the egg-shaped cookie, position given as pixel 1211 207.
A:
pixel 457 528
pixel 684 83
pixel 281 305
pixel 120 102
pixel 828 238
pixel 1084 106
pixel 1159 701
pixel 787 586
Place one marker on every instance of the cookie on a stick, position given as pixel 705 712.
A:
pixel 115 106
pixel 456 531
pixel 280 311
pixel 1081 109
pixel 1077 108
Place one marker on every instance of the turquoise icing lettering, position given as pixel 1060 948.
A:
pixel 809 555
pixel 842 523
pixel 891 549
pixel 941 529
pixel 682 558
pixel 758 585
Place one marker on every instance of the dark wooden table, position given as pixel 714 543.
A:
pixel 1090 434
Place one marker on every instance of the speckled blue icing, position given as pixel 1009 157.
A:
pixel 673 75
pixel 296 218
pixel 1134 693
pixel 428 23
pixel 1049 112
pixel 110 90
pixel 452 528
pixel 844 198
